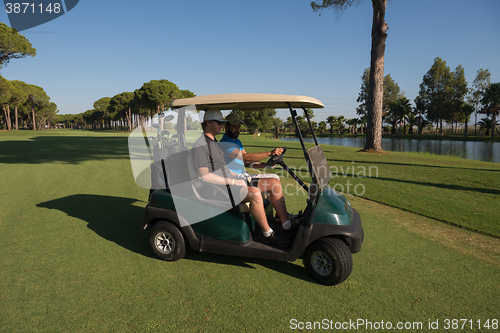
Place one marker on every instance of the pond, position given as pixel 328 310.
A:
pixel 473 150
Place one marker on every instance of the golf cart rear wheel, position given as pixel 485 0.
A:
pixel 167 242
pixel 328 260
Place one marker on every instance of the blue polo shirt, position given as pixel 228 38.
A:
pixel 228 145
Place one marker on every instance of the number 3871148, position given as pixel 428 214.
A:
pixel 31 8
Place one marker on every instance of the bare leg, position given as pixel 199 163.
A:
pixel 254 196
pixel 273 187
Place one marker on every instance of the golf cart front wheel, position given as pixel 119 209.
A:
pixel 328 260
pixel 167 242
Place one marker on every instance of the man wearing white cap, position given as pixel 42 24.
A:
pixel 237 157
pixel 209 161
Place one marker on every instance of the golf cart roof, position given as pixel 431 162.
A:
pixel 247 102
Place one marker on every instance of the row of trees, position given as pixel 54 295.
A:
pixel 444 96
pixel 266 121
pixel 128 109
pixel 25 104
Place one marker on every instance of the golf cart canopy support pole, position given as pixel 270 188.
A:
pixel 293 113
pixel 294 176
pixel 309 121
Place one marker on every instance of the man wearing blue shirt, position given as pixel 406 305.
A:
pixel 236 159
pixel 208 160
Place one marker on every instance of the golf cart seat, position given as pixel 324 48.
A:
pixel 200 187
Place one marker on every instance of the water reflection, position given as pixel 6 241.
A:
pixel 473 150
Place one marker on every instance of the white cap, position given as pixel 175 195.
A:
pixel 214 114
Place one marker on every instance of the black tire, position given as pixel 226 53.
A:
pixel 328 260
pixel 167 242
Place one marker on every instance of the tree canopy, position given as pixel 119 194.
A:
pixel 258 120
pixel 26 100
pixel 13 45
pixel 391 93
pixel 491 101
pixel 442 93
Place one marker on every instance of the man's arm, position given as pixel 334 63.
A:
pixel 251 158
pixel 213 178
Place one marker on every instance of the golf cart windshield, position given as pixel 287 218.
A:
pixel 320 166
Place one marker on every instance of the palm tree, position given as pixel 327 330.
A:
pixel 465 111
pixel 376 85
pixel 399 109
pixel 331 121
pixel 405 111
pixel 490 100
pixel 485 124
pixel 352 125
pixel 340 123
pixel 322 126
pixel 412 120
pixel 391 117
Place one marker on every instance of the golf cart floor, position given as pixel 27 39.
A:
pixel 258 236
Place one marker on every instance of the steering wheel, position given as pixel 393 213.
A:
pixel 275 159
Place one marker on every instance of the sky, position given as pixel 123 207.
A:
pixel 102 48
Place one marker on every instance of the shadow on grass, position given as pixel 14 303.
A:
pixel 282 267
pixel 63 149
pixel 113 218
pixel 403 164
pixel 443 186
pixel 118 220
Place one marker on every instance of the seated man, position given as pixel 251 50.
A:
pixel 209 161
pixel 270 184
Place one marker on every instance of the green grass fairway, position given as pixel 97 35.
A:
pixel 74 256
pixel 460 192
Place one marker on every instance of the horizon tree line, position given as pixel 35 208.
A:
pixel 444 95
pixel 24 105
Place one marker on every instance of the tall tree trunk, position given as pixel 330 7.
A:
pixel 475 123
pixel 34 123
pixel 129 119
pixel 376 86
pixel 9 120
pixel 493 124
pixel 7 116
pixel 17 120
pixel 466 129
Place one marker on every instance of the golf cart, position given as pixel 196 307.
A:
pixel 183 210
